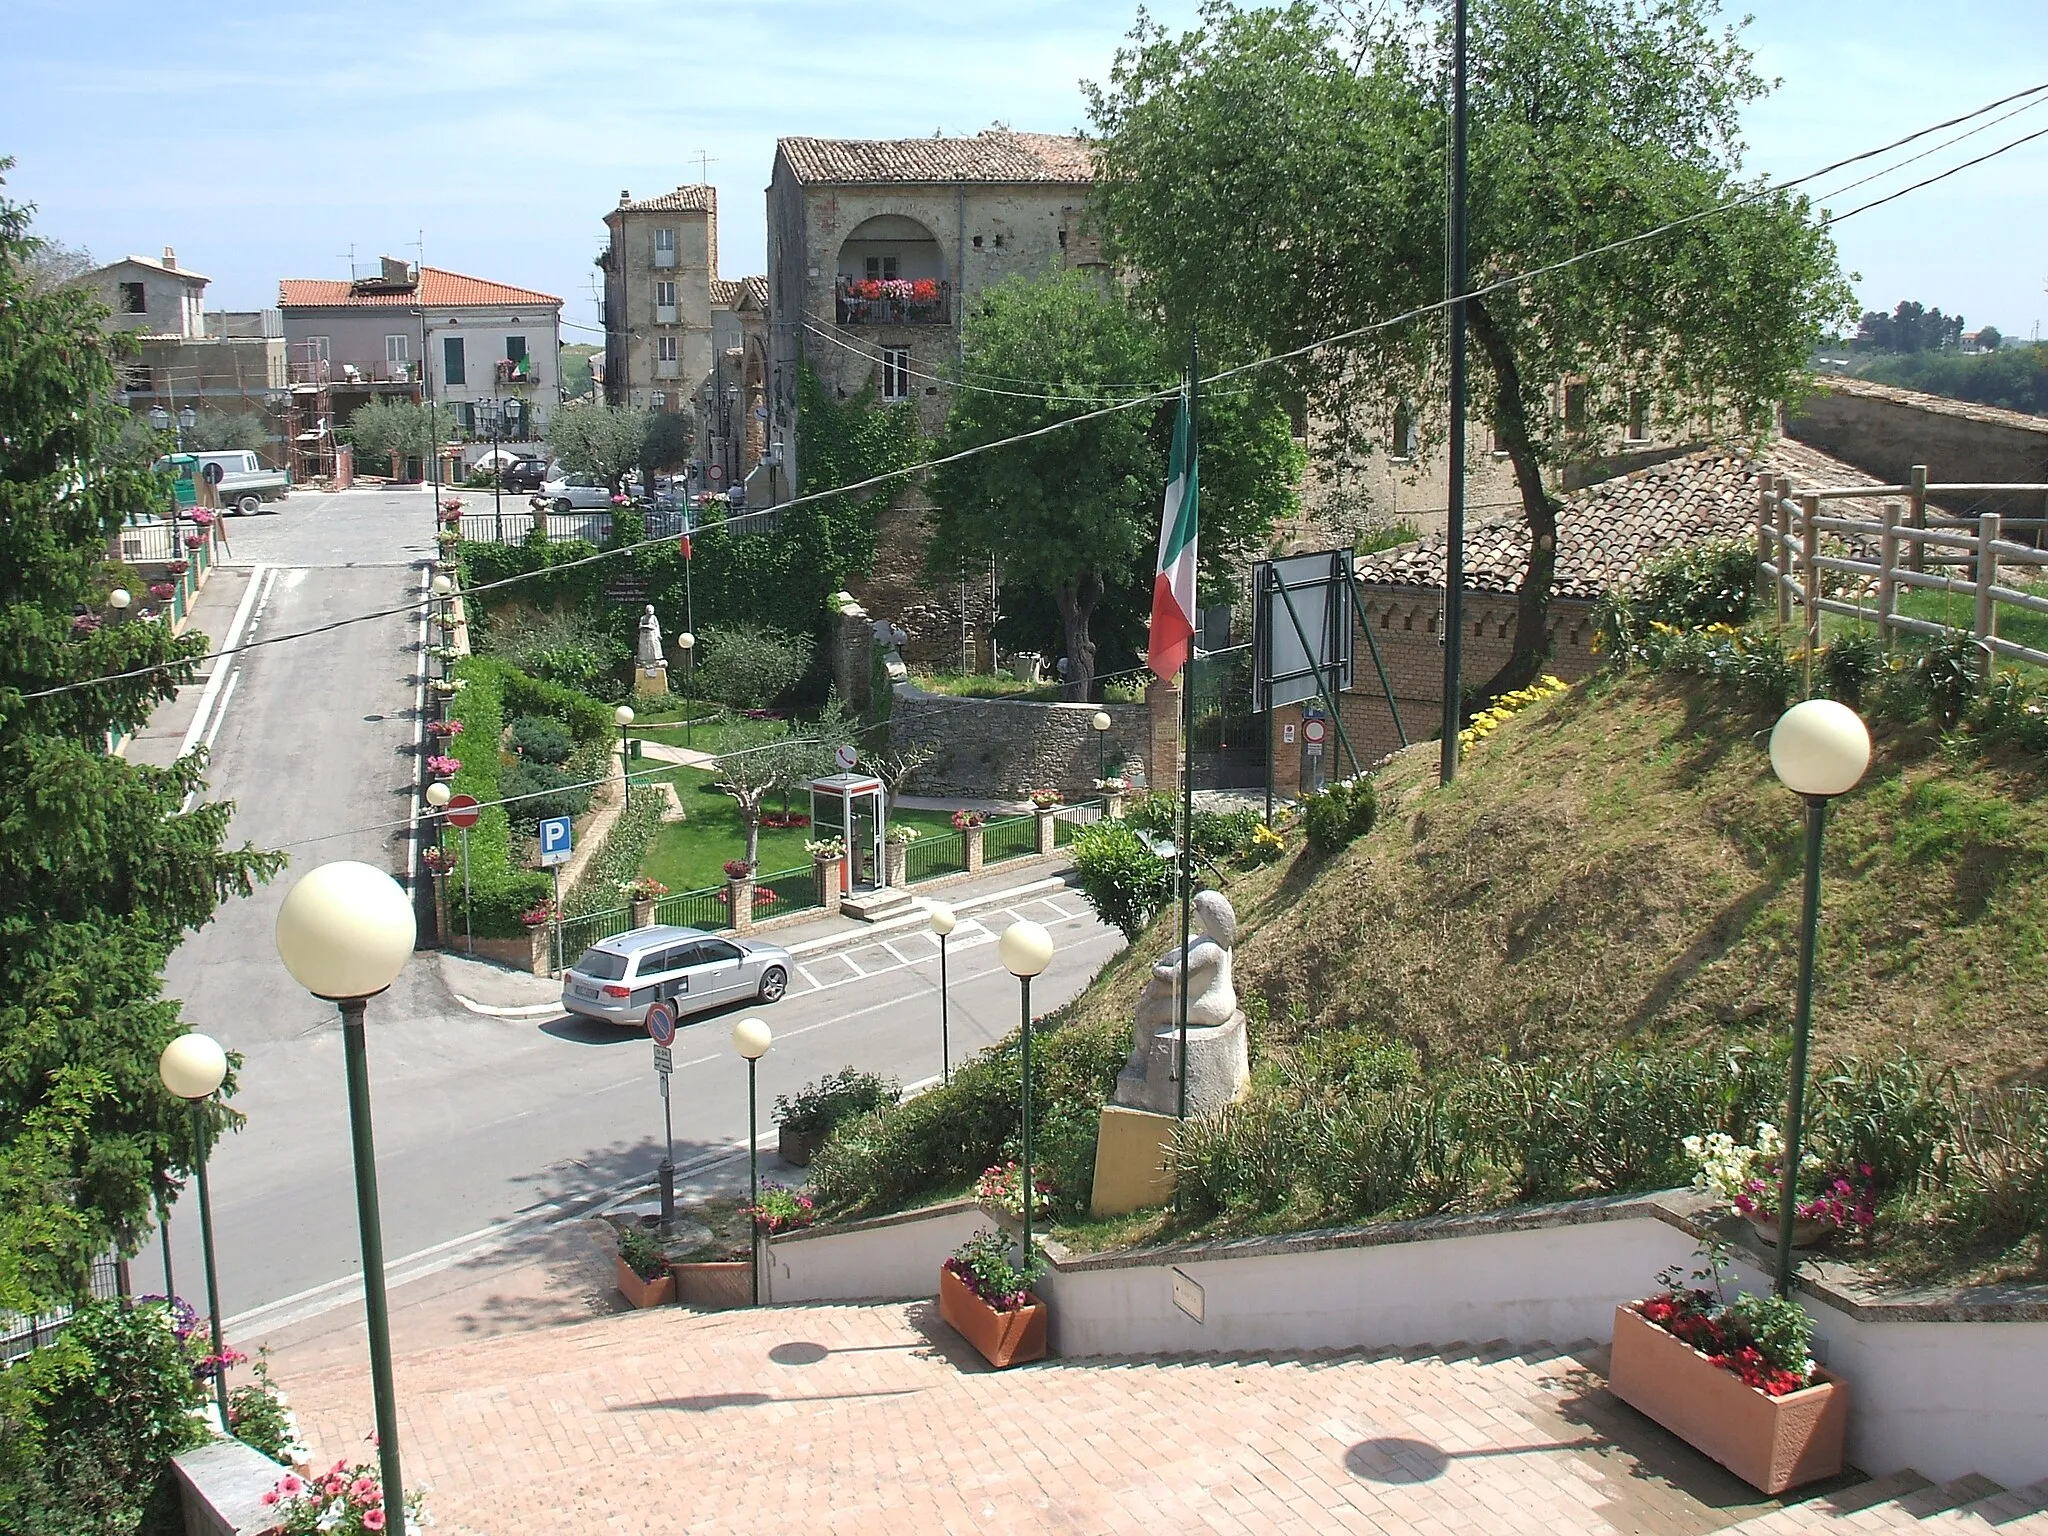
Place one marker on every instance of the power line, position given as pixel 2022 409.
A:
pixel 875 482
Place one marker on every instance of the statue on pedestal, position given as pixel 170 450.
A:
pixel 650 671
pixel 1218 1066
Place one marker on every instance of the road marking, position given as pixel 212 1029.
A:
pixel 805 972
pixel 852 964
pixel 419 735
pixel 906 960
pixel 218 678
pixel 220 716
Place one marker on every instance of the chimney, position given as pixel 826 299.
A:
pixel 170 257
pixel 625 197
pixel 396 274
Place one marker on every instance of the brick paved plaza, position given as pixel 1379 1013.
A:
pixel 877 1418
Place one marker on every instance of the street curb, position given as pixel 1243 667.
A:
pixel 822 945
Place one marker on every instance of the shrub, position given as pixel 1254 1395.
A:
pixel 540 739
pixel 749 666
pixel 1334 817
pixel 2012 713
pixel 1251 1157
pixel 1358 1060
pixel 1946 673
pixel 1890 1116
pixel 1408 1152
pixel 641 1252
pixel 1225 834
pixel 1123 880
pixel 1852 666
pixel 88 1426
pixel 1695 585
pixel 2000 1163
pixel 817 1107
pixel 537 791
pixel 601 886
pixel 568 649
pixel 259 1418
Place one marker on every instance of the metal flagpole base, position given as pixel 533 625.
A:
pixel 668 1193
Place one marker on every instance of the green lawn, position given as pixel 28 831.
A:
pixel 1958 611
pixel 690 855
pixel 1127 688
pixel 721 733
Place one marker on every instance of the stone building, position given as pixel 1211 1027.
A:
pixel 1607 534
pixel 678 337
pixel 219 360
pixel 875 250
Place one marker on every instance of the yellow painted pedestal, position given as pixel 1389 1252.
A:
pixel 650 681
pixel 1131 1170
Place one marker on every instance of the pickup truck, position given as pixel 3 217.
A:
pixel 243 484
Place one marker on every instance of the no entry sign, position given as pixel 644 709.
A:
pixel 462 811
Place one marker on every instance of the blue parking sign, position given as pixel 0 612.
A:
pixel 555 841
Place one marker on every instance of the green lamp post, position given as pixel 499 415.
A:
pixel 1026 949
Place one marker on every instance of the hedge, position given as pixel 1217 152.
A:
pixel 499 889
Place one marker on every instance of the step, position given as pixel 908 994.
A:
pixel 1830 1510
pixel 877 905
pixel 2010 1512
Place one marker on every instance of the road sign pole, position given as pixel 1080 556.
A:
pixel 468 922
pixel 668 1160
pixel 558 921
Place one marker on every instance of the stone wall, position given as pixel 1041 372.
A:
pixel 1404 622
pixel 1885 432
pixel 1003 749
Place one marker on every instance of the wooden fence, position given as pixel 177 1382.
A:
pixel 1864 568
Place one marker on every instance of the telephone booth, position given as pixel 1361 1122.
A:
pixel 851 806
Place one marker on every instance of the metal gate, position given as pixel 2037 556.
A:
pixel 1227 749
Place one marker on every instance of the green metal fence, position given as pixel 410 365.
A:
pixel 693 909
pixel 1009 837
pixel 1066 824
pixel 784 891
pixel 933 855
pixel 585 929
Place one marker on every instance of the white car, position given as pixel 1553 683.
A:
pixel 575 493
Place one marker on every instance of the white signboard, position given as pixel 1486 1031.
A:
pixel 1187 1295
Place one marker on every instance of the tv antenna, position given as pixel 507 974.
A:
pixel 351 262
pixel 704 163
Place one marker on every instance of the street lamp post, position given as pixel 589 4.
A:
pixel 1819 750
pixel 1101 722
pixel 687 644
pixel 344 932
pixel 624 716
pixel 192 1067
pixel 1026 950
pixel 751 1038
pixel 187 420
pixel 943 922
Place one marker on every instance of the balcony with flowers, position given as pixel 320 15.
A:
pixel 894 301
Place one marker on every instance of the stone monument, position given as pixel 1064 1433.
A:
pixel 1139 1122
pixel 650 666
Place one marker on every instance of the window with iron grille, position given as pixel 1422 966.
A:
pixel 895 373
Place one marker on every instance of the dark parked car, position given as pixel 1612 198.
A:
pixel 526 474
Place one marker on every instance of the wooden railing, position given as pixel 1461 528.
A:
pixel 1867 568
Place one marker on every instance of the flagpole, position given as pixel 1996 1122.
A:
pixel 1187 738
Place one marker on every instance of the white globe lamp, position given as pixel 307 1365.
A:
pixel 345 930
pixel 193 1066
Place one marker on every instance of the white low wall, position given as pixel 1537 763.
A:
pixel 893 1258
pixel 1943 1397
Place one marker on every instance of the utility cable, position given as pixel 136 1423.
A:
pixel 875 482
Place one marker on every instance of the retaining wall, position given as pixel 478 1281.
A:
pixel 1005 748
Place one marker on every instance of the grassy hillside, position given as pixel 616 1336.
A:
pixel 1528 985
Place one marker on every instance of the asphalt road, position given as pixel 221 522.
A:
pixel 480 1118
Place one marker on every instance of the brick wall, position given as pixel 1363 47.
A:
pixel 1404 623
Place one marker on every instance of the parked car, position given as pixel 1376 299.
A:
pixel 616 980
pixel 573 493
pixel 526 474
pixel 240 482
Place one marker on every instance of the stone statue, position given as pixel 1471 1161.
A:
pixel 649 649
pixel 1218 1066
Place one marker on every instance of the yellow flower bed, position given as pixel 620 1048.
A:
pixel 1487 721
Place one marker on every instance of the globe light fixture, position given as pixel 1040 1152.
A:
pixel 119 599
pixel 443 586
pixel 943 922
pixel 1819 749
pixel 1026 949
pixel 192 1067
pixel 751 1038
pixel 439 794
pixel 1101 722
pixel 345 932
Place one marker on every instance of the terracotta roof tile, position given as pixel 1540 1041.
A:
pixel 991 155
pixel 437 289
pixel 698 199
pixel 728 292
pixel 1938 405
pixel 1606 533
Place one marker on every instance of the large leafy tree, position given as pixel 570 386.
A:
pixel 1278 175
pixel 603 441
pixel 1075 513
pixel 101 872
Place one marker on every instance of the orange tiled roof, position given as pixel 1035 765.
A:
pixel 728 292
pixel 698 199
pixel 994 154
pixel 437 289
pixel 1607 532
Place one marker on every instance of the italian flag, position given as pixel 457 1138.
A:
pixel 1173 588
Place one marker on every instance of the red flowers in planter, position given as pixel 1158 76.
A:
pixel 540 916
pixel 737 869
pixel 1729 1335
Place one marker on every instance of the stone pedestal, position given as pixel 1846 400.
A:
pixel 973 838
pixel 895 861
pixel 826 880
pixel 1218 1068
pixel 739 895
pixel 1133 1168
pixel 651 682
pixel 1046 837
pixel 643 913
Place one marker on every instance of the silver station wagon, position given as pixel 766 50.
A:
pixel 616 980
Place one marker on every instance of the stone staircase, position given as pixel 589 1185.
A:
pixel 1908 1502
pixel 878 1418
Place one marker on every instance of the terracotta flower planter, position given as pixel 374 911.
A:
pixel 1805 1234
pixel 1004 1338
pixel 644 1293
pixel 1771 1443
pixel 714 1286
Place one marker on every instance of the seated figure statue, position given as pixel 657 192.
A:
pixel 1218 1066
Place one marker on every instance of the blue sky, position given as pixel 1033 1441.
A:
pixel 264 140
